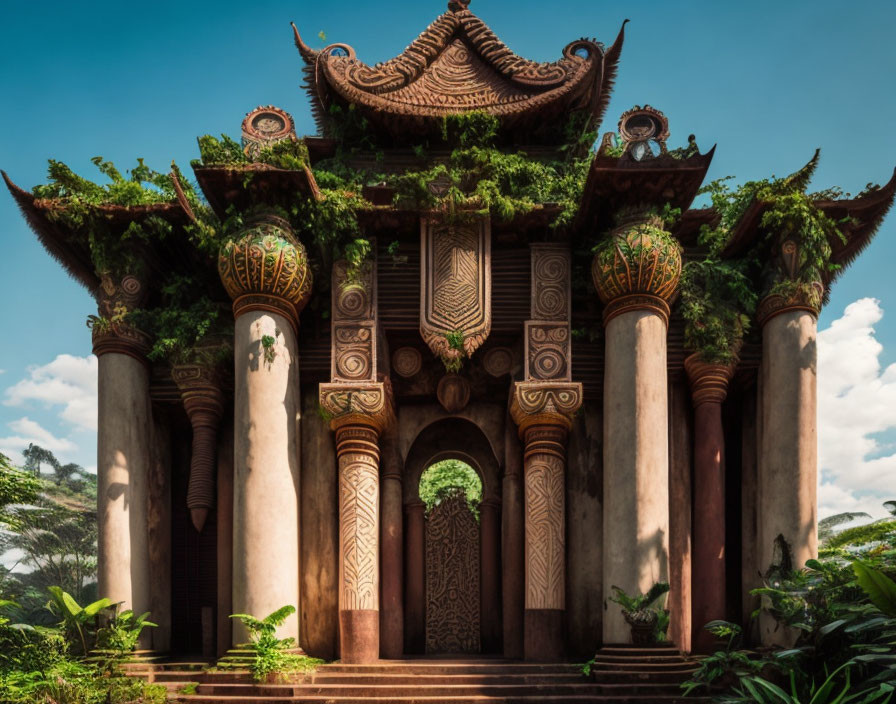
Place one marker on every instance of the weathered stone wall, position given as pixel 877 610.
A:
pixel 584 528
pixel 319 533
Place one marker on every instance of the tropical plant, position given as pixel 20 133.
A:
pixel 79 623
pixel 641 614
pixel 725 667
pixel 271 656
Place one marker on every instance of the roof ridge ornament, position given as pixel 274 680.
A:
pixel 458 5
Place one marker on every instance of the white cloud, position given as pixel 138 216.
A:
pixel 67 381
pixel 28 431
pixel 856 400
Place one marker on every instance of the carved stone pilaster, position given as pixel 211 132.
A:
pixel 638 268
pixel 455 285
pixel 353 356
pixel 543 411
pixel 359 415
pixel 550 272
pixel 204 402
pixel 266 269
pixel 110 331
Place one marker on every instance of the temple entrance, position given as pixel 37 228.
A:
pixel 452 491
pixel 452 531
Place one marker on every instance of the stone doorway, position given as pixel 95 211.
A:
pixel 452 492
pixel 452 552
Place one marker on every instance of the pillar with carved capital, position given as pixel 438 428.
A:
pixel 200 389
pixel 709 386
pixel 788 449
pixel 123 447
pixel 266 273
pixel 636 271
pixel 542 410
pixel 359 414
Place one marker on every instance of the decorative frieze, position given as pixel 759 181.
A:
pixel 455 285
pixel 266 268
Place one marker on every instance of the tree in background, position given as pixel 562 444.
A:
pixel 447 476
pixel 48 526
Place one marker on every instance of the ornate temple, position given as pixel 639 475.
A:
pixel 610 453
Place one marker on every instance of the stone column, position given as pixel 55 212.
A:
pixel 360 413
pixel 392 616
pixel 266 274
pixel 542 410
pixel 513 581
pixel 415 579
pixel 788 459
pixel 124 453
pixel 490 575
pixel 636 273
pixel 709 386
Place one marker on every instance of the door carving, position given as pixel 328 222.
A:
pixel 452 577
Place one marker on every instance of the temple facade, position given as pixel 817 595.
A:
pixel 609 452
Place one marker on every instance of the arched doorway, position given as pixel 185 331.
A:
pixel 452 555
pixel 451 491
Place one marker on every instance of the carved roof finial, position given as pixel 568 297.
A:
pixel 458 5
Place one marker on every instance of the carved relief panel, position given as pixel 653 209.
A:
pixel 547 343
pixel 353 357
pixel 452 578
pixel 455 285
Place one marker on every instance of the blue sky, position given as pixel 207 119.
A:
pixel 766 81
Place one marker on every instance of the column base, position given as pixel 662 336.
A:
pixel 359 636
pixel 543 638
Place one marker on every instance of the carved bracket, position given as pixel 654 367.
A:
pixel 365 404
pixel 544 403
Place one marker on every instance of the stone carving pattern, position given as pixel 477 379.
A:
pixel 353 354
pixel 547 351
pixel 456 285
pixel 498 361
pixel 536 398
pixel 407 361
pixel 340 399
pixel 550 282
pixel 452 578
pixel 115 299
pixel 359 527
pixel 436 71
pixel 264 126
pixel 545 541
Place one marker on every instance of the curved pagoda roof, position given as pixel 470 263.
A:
pixel 458 65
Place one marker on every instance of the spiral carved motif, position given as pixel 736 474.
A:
pixel 550 282
pixel 407 361
pixel 266 269
pixel 637 267
pixel 548 352
pixel 353 353
pixel 498 361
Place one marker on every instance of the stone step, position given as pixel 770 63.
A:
pixel 349 678
pixel 431 667
pixel 443 690
pixel 638 666
pixel 615 656
pixel 424 699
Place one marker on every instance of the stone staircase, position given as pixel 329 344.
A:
pixel 621 674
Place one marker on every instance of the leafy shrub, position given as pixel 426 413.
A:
pixel 271 656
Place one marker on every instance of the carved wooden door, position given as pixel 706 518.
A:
pixel 452 578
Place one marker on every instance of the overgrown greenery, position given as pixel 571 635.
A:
pixel 841 614
pixel 447 476
pixel 57 664
pixel 271 656
pixel 717 304
pixel 642 611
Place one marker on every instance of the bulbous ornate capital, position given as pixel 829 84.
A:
pixel 637 267
pixel 709 381
pixel 788 297
pixel 266 268
pixel 544 403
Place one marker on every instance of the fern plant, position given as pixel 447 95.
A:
pixel 271 653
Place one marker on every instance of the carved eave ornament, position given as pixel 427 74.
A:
pixel 458 65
